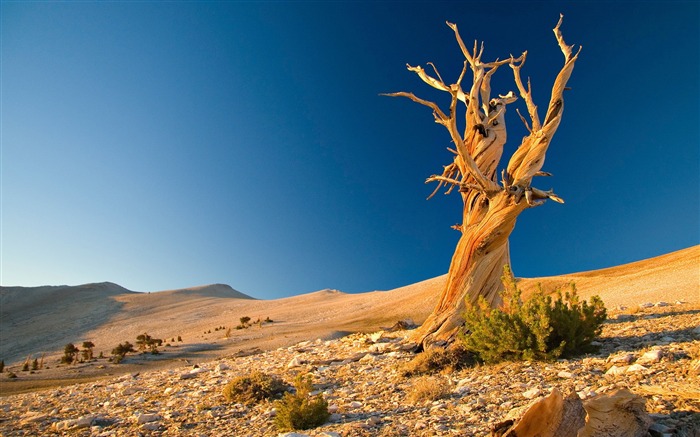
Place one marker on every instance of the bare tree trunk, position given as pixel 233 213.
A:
pixel 475 270
pixel 490 208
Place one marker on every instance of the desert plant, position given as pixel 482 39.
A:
pixel 245 320
pixel 145 341
pixel 69 352
pixel 436 360
pixel 428 388
pixel 87 350
pixel 253 388
pixel 228 333
pixel 2 366
pixel 121 350
pixel 35 364
pixel 25 366
pixel 268 320
pixel 179 338
pixel 301 410
pixel 537 329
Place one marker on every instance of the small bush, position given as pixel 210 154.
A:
pixel 69 352
pixel 300 410
pixel 121 350
pixel 439 360
pixel 253 388
pixel 538 329
pixel 428 388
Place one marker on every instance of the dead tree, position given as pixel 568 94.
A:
pixel 491 207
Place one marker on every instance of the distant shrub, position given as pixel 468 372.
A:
pixel 268 320
pixel 69 352
pixel 2 366
pixel 253 388
pixel 436 360
pixel 35 364
pixel 87 350
pixel 145 341
pixel 301 410
pixel 539 329
pixel 179 338
pixel 428 388
pixel 121 350
pixel 25 366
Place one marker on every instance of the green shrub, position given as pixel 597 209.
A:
pixel 121 350
pixel 69 352
pixel 539 329
pixel 253 388
pixel 300 410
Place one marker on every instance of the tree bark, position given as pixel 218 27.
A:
pixel 490 209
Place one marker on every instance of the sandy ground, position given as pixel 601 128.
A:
pixel 36 321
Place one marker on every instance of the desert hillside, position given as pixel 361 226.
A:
pixel 41 320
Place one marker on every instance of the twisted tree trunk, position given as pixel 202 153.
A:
pixel 490 208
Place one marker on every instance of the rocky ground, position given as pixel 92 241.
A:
pixel 653 350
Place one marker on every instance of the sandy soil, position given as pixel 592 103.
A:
pixel 36 321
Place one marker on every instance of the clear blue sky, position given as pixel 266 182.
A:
pixel 164 145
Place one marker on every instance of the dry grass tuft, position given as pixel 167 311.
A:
pixel 438 360
pixel 428 388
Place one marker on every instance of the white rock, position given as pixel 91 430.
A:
pixel 64 425
pixel 292 434
pixel 616 370
pixel 221 367
pixel 146 417
pixel 636 368
pixel 532 393
pixel 332 408
pixel 662 304
pixel 355 404
pixel 32 417
pixel 646 305
pixel 167 391
pixel 626 359
pixel 198 370
pixel 151 426
pixel 376 336
pixel 565 374
pixel 296 362
pixel 329 434
pixel 86 421
pixel 652 356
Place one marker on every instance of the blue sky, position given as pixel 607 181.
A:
pixel 164 145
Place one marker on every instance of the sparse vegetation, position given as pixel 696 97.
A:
pixel 69 352
pixel 436 360
pixel 428 388
pixel 121 350
pixel 253 388
pixel 35 364
pixel 145 341
pixel 87 350
pixel 539 329
pixel 301 410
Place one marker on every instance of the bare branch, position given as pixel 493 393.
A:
pixel 466 53
pixel 525 94
pixel 528 159
pixel 440 116
pixel 541 194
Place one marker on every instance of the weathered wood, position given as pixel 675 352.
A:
pixel 490 209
